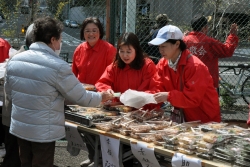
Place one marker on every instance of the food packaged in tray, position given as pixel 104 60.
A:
pixel 135 136
pixel 158 142
pixel 170 147
pixel 185 151
pixel 89 87
pixel 144 115
pixel 171 140
pixel 187 140
pixel 204 150
pixel 183 145
pixel 203 144
pixel 140 128
pixel 215 138
pixel 104 126
pixel 205 156
pixel 158 125
pixel 125 132
pixel 147 137
pixel 241 163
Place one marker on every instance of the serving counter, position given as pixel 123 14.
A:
pixel 125 140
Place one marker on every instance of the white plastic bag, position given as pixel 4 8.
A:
pixel 136 99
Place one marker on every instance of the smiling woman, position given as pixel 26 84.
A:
pixel 91 58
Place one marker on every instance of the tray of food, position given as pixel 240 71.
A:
pixel 87 116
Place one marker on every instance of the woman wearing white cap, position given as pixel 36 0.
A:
pixel 183 80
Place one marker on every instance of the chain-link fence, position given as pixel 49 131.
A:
pixel 140 17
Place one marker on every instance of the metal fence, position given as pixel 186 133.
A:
pixel 139 16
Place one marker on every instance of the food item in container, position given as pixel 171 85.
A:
pixel 183 145
pixel 204 150
pixel 158 125
pixel 104 126
pixel 171 140
pixel 89 87
pixel 203 144
pixel 187 140
pixel 215 138
pixel 205 156
pixel 135 136
pixel 147 137
pixel 140 128
pixel 170 147
pixel 125 132
pixel 158 142
pixel 185 151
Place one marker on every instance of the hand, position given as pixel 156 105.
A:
pixel 106 96
pixel 161 97
pixel 234 29
pixel 110 91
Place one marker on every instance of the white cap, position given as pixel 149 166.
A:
pixel 165 33
pixel 29 30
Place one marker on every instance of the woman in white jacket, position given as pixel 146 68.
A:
pixel 37 82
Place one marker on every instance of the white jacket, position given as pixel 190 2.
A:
pixel 37 82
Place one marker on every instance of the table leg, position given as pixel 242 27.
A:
pixel 120 155
pixel 96 159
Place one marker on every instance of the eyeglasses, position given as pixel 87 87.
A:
pixel 89 31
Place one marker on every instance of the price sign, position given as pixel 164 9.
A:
pixel 110 151
pixel 181 160
pixel 144 154
pixel 73 137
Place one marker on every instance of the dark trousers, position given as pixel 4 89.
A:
pixel 34 154
pixel 11 158
pixel 91 149
pixel 1 128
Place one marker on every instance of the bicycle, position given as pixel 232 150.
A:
pixel 244 78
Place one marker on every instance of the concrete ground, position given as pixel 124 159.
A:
pixel 63 158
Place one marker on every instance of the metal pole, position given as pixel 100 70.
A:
pixel 113 22
pixel 121 9
pixel 107 20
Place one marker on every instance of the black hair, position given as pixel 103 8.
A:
pixel 95 21
pixel 198 22
pixel 130 39
pixel 46 28
pixel 182 45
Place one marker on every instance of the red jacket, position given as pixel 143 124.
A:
pixel 209 50
pixel 89 62
pixel 120 80
pixel 199 99
pixel 4 50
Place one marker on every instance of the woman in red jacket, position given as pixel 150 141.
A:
pixel 93 56
pixel 130 70
pixel 183 79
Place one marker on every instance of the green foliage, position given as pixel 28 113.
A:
pixel 226 99
pixel 59 11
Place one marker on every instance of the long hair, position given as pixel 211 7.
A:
pixel 130 39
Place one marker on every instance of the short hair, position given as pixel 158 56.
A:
pixel 198 22
pixel 95 21
pixel 130 39
pixel 29 35
pixel 182 45
pixel 46 28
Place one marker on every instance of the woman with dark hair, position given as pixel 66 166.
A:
pixel 94 55
pixel 37 82
pixel 183 80
pixel 130 69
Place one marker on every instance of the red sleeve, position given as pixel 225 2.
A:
pixel 74 67
pixel 225 49
pixel 4 50
pixel 107 79
pixel 196 81
pixel 149 73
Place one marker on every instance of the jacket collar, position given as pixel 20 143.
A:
pixel 197 33
pixel 96 46
pixel 41 46
pixel 183 58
